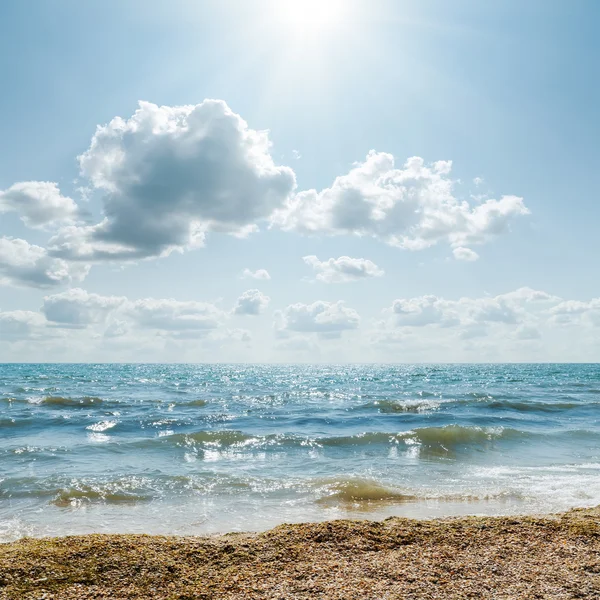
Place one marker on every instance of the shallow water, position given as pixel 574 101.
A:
pixel 191 449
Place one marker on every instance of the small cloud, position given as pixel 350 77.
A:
pixel 296 154
pixel 318 317
pixel 343 269
pixel 251 302
pixel 465 254
pixel 261 274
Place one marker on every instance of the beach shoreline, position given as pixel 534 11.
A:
pixel 544 556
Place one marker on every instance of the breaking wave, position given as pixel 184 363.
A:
pixel 458 435
pixel 74 497
pixel 60 401
pixel 402 406
pixel 362 490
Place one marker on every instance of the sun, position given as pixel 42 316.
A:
pixel 309 16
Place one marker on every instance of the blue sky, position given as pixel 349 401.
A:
pixel 491 258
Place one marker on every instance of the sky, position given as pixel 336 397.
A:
pixel 299 181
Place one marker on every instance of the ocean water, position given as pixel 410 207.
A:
pixel 195 449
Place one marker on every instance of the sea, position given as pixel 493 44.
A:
pixel 200 449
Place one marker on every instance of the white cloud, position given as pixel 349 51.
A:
pixel 173 315
pixel 575 311
pixel 78 308
pixel 260 274
pixel 20 325
pixel 467 254
pixel 343 269
pixel 505 327
pixel 412 207
pixel 39 203
pixel 424 310
pixel 117 329
pixel 524 324
pixel 172 174
pixel 169 175
pixel 319 317
pixel 23 264
pixel 251 302
pixel 472 315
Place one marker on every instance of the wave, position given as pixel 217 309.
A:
pixel 452 436
pixel 476 400
pixel 351 491
pixel 73 497
pixel 402 406
pixel 10 423
pixel 435 440
pixel 101 426
pixel 528 406
pixel 60 401
pixel 360 439
pixel 196 403
pixel 370 493
pixel 448 435
pixel 75 492
pixel 215 438
pixel 225 437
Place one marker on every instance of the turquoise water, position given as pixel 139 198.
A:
pixel 191 449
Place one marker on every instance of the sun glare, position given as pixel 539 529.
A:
pixel 306 16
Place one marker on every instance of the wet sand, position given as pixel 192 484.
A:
pixel 554 556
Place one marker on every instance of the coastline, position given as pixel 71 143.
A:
pixel 545 556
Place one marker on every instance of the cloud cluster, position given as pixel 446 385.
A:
pixel 78 308
pixel 318 317
pixel 20 324
pixel 524 324
pixel 574 311
pixel 173 315
pixel 343 269
pixel 523 311
pixel 251 302
pixel 411 207
pixel 39 204
pixel 169 175
pixel 26 265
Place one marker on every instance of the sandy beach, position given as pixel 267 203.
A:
pixel 554 556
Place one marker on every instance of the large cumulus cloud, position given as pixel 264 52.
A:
pixel 169 175
pixel 410 207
